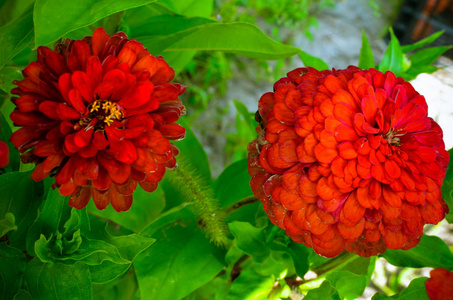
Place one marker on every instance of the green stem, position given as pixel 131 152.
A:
pixel 240 203
pixel 335 264
pixel 271 235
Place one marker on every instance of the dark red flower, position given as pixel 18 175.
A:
pixel 440 285
pixel 4 154
pixel 348 160
pixel 98 114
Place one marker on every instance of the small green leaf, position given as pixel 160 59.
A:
pixel 7 224
pixel 415 291
pixel 393 57
pixel 325 291
pixel 312 61
pixel 366 59
pixel 181 261
pixel 426 41
pixel 51 24
pixel 16 36
pixel 7 76
pixel 351 280
pixel 447 189
pixel 22 197
pixel 422 60
pixel 250 239
pixel 430 252
pixel 12 268
pixel 249 285
pixel 58 281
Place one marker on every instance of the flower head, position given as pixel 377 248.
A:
pixel 348 160
pixel 440 284
pixel 4 154
pixel 97 114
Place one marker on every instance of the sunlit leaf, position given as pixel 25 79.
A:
pixel 415 291
pixel 51 24
pixel 426 41
pixel 181 260
pixel 393 57
pixel 366 59
pixel 190 8
pixel 430 252
pixel 312 61
pixel 250 239
pixel 447 189
pixel 325 291
pixel 422 60
pixel 250 285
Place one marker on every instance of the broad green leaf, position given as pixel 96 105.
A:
pixel 21 196
pixel 190 8
pixel 181 260
pixel 366 59
pixel 178 60
pixel 23 295
pixel 325 291
pixel 107 271
pixel 122 288
pixel 51 23
pixel 430 252
pixel 250 239
pixel 240 38
pixel 250 285
pixel 54 214
pixel 7 224
pixel 146 207
pixel 58 281
pixel 5 134
pixel 447 189
pixel 7 76
pixel 422 60
pixel 393 57
pixel 351 280
pixel 16 36
pixel 415 291
pixel 12 9
pixel 312 61
pixel 426 41
pixel 12 268
pixel 233 184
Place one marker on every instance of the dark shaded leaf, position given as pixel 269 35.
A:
pixel 12 268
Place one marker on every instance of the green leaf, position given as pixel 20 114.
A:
pixel 393 57
pixel 325 291
pixel 178 60
pixel 21 196
pixel 366 59
pixel 58 281
pixel 422 60
pixel 145 209
pixel 177 33
pixel 7 224
pixel 426 41
pixel 181 260
pixel 298 253
pixel 430 252
pixel 447 189
pixel 190 8
pixel 54 214
pixel 415 291
pixel 250 285
pixel 7 76
pixel 250 239
pixel 51 24
pixel 12 268
pixel 12 9
pixel 233 184
pixel 312 61
pixel 16 36
pixel 351 280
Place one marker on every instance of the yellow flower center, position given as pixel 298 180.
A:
pixel 106 111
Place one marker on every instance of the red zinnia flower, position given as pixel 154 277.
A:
pixel 440 285
pixel 97 114
pixel 4 154
pixel 348 160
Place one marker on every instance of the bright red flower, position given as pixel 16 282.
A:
pixel 98 114
pixel 348 160
pixel 440 285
